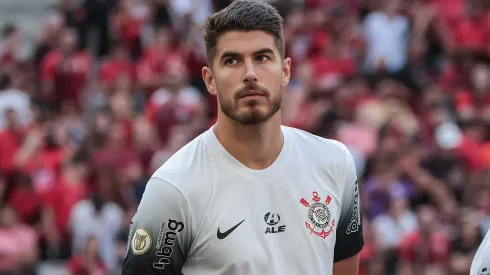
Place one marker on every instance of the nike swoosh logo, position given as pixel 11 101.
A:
pixel 222 235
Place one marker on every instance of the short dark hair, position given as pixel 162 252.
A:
pixel 243 15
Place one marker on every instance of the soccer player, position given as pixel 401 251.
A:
pixel 481 262
pixel 249 196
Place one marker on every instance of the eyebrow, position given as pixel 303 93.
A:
pixel 230 54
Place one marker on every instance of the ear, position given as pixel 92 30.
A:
pixel 286 71
pixel 207 76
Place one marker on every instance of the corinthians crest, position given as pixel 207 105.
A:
pixel 320 220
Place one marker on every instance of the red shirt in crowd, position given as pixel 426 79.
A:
pixel 62 198
pixel 68 75
pixel 108 157
pixel 11 142
pixel 473 34
pixel 473 154
pixel 111 70
pixel 78 266
pixel 129 27
pixel 465 99
pixel 452 11
pixel 366 254
pixel 330 72
pixel 26 203
pixel 184 103
pixel 153 65
pixel 45 167
pixel 434 251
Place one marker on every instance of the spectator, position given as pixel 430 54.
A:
pixel 96 218
pixel 128 24
pixel 117 66
pixel 9 46
pixel 427 250
pixel 14 100
pixel 387 34
pixel 58 204
pixel 188 13
pixel 87 262
pixel 12 138
pixel 24 199
pixel 182 102
pixel 97 15
pixel 18 252
pixel 151 67
pixel 398 222
pixel 466 243
pixel 65 72
pixel 48 39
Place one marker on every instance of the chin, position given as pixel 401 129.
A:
pixel 253 117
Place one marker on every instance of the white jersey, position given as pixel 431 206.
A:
pixel 481 262
pixel 203 212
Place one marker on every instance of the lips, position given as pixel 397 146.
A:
pixel 251 93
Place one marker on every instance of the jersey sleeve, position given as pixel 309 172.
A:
pixel 349 240
pixel 160 233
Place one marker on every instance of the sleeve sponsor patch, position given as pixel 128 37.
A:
pixel 355 222
pixel 166 240
pixel 141 242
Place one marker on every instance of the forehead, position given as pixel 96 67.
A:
pixel 244 42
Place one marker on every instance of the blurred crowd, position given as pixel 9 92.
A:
pixel 113 89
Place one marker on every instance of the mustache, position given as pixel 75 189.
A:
pixel 251 87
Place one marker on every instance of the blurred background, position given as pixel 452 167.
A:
pixel 97 94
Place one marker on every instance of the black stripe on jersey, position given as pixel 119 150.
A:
pixel 350 239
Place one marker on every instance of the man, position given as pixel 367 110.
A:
pixel 15 100
pixel 481 262
pixel 249 196
pixel 65 72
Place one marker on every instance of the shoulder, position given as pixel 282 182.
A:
pixel 188 169
pixel 373 17
pixel 313 145
pixel 15 94
pixel 404 21
pixel 329 158
pixel 186 159
pixel 82 206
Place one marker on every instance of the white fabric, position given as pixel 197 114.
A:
pixel 387 38
pixel 84 223
pixel 19 102
pixel 481 262
pixel 202 189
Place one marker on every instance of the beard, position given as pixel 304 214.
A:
pixel 252 114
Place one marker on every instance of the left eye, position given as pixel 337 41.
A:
pixel 262 58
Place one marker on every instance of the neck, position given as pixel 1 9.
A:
pixel 255 146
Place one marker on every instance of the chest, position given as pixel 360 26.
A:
pixel 75 66
pixel 386 30
pixel 262 227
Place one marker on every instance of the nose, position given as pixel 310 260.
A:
pixel 250 74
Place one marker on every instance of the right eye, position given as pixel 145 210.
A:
pixel 231 61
